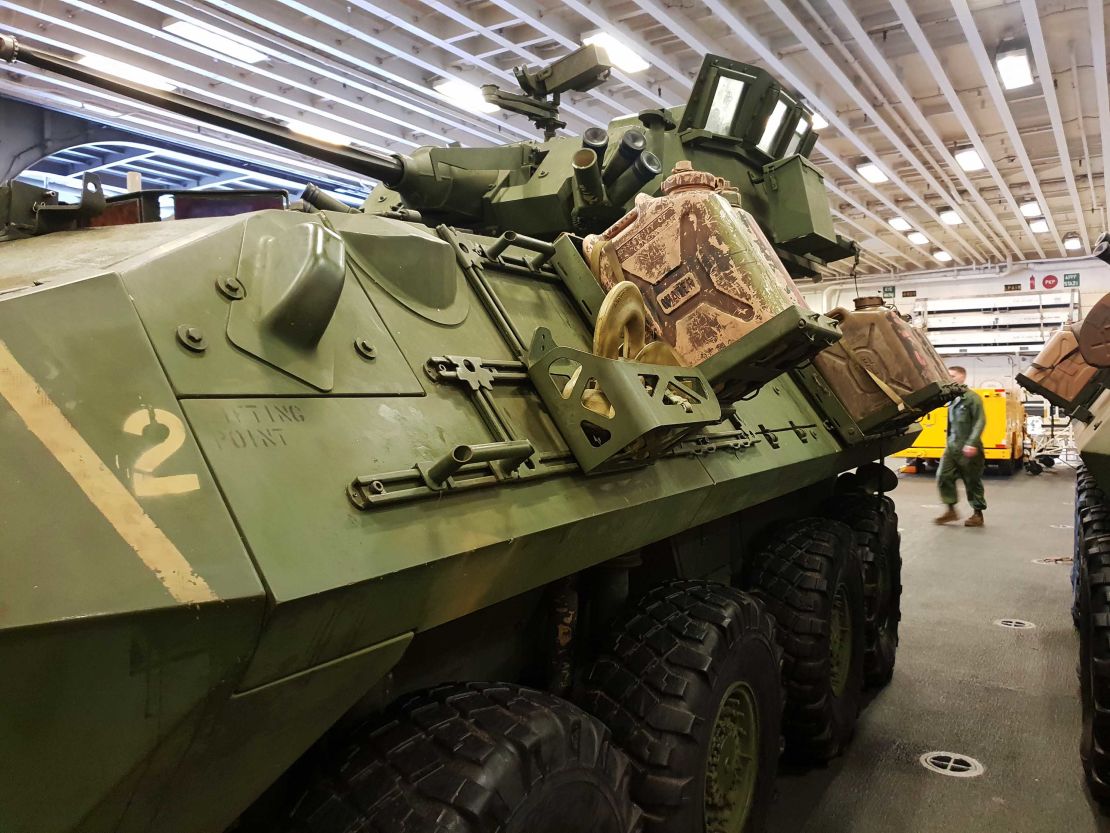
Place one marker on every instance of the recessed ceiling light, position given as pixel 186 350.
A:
pixel 142 77
pixel 214 40
pixel 1031 208
pixel 917 238
pixel 942 255
pixel 1039 226
pixel 870 171
pixel 950 217
pixel 899 224
pixel 1072 242
pixel 1012 61
pixel 623 56
pixel 819 122
pixel 969 159
pixel 464 95
pixel 314 131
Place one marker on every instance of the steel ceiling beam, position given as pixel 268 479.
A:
pixel 402 114
pixel 1048 86
pixel 1097 16
pixel 393 17
pixel 1002 107
pixel 815 51
pixel 84 40
pixel 905 98
pixel 160 123
pixel 367 57
pixel 875 218
pixel 1083 136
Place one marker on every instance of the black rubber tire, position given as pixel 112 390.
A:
pixel 474 758
pixel 1094 664
pixel 875 522
pixel 661 683
pixel 798 573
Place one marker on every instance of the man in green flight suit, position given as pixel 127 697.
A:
pixel 963 454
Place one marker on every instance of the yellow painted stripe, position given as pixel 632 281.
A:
pixel 103 489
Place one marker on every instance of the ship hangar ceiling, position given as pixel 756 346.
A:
pixel 927 123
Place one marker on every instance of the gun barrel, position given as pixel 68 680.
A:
pixel 386 168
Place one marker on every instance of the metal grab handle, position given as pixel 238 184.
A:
pixel 513 453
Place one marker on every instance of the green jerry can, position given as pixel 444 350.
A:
pixel 320 519
pixel 883 369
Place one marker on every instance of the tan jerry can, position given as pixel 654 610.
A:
pixel 1059 373
pixel 710 279
pixel 882 367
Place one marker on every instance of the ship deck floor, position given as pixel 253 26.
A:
pixel 1007 698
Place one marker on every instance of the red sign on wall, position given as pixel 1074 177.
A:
pixel 1049 281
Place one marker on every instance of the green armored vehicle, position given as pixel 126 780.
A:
pixel 320 520
pixel 1072 373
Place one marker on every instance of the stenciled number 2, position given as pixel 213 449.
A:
pixel 144 482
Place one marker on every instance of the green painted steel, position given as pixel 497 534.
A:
pixel 250 461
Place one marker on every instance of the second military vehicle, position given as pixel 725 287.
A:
pixel 324 520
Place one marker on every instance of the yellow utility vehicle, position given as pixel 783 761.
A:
pixel 1003 436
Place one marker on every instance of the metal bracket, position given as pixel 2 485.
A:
pixel 477 373
pixel 612 411
pixel 769 435
pixel 462 468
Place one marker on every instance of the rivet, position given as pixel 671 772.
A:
pixel 192 338
pixel 365 349
pixel 543 174
pixel 231 287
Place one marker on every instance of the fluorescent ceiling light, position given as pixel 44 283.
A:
pixel 624 57
pixel 870 171
pixel 217 41
pixel 1012 61
pixel 1072 242
pixel 950 217
pixel 142 77
pixel 314 131
pixel 1039 226
pixel 464 95
pixel 917 238
pixel 899 224
pixel 1031 208
pixel 969 159
pixel 942 255
pixel 819 122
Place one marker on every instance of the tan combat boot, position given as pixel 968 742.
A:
pixel 976 519
pixel 948 516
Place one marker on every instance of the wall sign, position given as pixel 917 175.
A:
pixel 909 293
pixel 1071 279
pixel 888 291
pixel 1049 281
pixel 1012 287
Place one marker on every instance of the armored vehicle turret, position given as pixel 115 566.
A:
pixel 514 501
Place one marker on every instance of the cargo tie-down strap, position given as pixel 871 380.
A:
pixel 891 394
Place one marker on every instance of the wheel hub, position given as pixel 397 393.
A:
pixel 732 765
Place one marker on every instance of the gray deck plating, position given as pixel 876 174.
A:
pixel 1006 697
